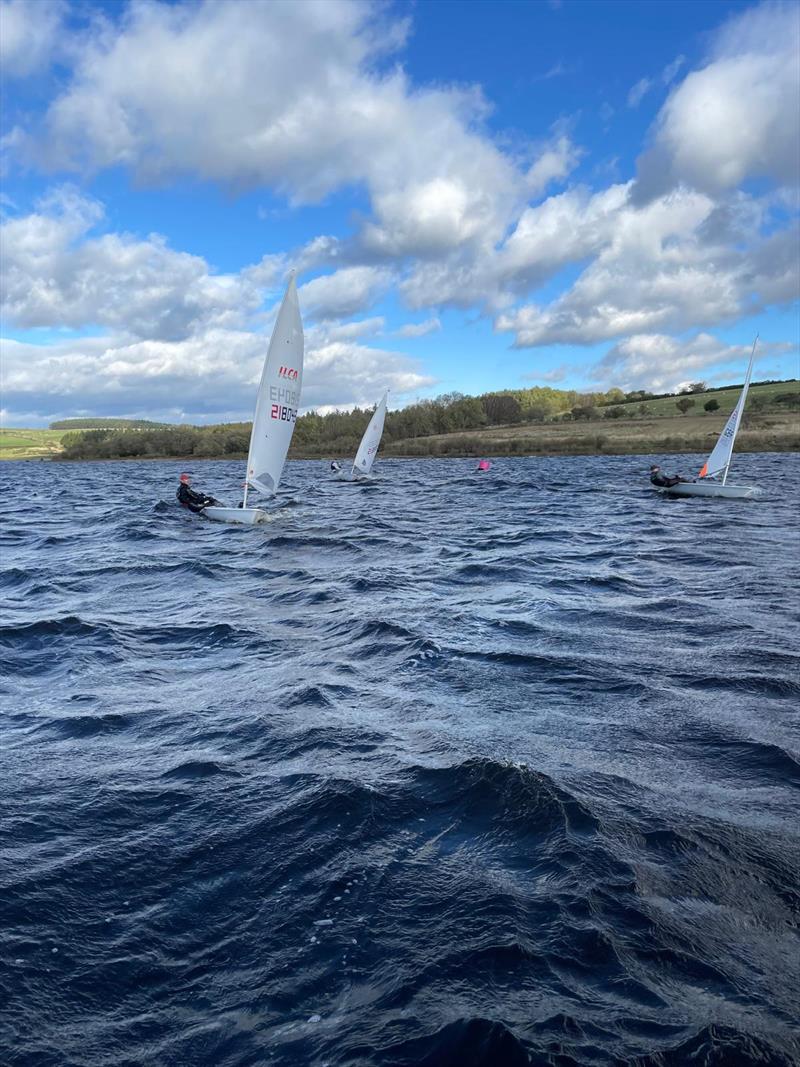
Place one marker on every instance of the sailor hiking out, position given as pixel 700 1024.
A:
pixel 190 499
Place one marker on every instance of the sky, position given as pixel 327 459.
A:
pixel 476 196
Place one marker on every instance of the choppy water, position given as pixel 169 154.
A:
pixel 448 769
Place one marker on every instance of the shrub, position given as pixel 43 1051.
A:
pixel 711 405
pixel 684 404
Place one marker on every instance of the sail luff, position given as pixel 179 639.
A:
pixel 719 460
pixel 278 397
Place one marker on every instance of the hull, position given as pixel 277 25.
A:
pixel 715 489
pixel 241 516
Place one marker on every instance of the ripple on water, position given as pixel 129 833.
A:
pixel 443 770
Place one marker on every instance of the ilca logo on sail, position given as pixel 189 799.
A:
pixel 288 372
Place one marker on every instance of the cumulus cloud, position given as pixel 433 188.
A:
pixel 341 373
pixel 54 273
pixel 419 329
pixel 563 229
pixel 555 162
pixel 351 331
pixel 149 92
pixel 735 118
pixel 179 340
pixel 662 363
pixel 208 377
pixel 345 292
pixel 452 218
pixel 677 262
pixel 29 34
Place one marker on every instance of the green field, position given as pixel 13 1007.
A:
pixel 726 398
pixel 30 444
pixel 25 443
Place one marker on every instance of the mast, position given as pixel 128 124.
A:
pixel 740 408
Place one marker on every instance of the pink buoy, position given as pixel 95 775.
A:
pixel 483 465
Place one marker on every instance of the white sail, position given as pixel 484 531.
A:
pixel 720 458
pixel 278 397
pixel 368 449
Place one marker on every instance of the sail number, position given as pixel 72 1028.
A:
pixel 284 403
pixel 282 413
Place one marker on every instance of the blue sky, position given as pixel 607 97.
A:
pixel 477 196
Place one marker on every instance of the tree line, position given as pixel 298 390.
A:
pixel 339 432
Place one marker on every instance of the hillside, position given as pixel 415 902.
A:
pixel 30 444
pixel 512 422
pixel 646 436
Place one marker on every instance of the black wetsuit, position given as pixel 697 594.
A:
pixel 663 481
pixel 192 500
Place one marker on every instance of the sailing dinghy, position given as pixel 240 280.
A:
pixel 277 402
pixel 718 463
pixel 370 442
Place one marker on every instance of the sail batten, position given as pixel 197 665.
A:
pixel 720 459
pixel 278 397
pixel 368 449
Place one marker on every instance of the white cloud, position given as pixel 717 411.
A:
pixel 638 92
pixel 561 230
pixel 419 329
pixel 678 262
pixel 555 162
pixel 210 376
pixel 351 331
pixel 29 34
pixel 213 89
pixel 737 117
pixel 551 377
pixel 55 274
pixel 345 292
pixel 661 363
pixel 669 73
pixel 340 373
pixel 300 103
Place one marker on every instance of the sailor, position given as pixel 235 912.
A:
pixel 189 498
pixel 664 481
pixel 335 466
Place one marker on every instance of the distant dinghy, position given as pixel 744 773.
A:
pixel 277 402
pixel 370 443
pixel 718 463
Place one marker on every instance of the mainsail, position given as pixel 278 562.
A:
pixel 368 449
pixel 720 458
pixel 278 397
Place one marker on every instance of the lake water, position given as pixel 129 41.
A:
pixel 445 769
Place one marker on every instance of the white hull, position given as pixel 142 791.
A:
pixel 728 492
pixel 348 476
pixel 243 516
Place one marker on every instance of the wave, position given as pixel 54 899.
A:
pixel 459 771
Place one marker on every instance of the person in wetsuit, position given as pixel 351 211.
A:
pixel 335 466
pixel 188 498
pixel 664 481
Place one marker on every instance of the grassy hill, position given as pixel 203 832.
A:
pixel 726 398
pixel 655 435
pixel 30 444
pixel 45 444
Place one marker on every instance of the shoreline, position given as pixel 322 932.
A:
pixel 666 449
